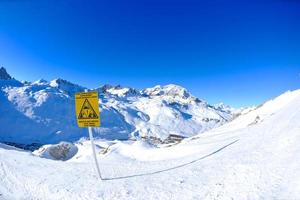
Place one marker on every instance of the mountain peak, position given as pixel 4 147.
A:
pixel 224 107
pixel 118 90
pixel 174 90
pixel 67 86
pixel 59 81
pixel 40 82
pixel 4 75
pixel 168 90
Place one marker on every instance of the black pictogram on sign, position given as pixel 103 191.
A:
pixel 87 111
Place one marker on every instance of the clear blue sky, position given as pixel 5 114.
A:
pixel 238 52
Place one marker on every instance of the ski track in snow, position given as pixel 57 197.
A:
pixel 30 184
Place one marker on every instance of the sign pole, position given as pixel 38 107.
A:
pixel 94 152
pixel 88 115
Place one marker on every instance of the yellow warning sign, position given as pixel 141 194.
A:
pixel 87 109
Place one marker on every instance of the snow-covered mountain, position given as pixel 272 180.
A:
pixel 43 112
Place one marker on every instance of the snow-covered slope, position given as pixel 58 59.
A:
pixel 43 112
pixel 248 158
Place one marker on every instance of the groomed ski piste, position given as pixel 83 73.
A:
pixel 256 156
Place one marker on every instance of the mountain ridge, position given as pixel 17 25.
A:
pixel 46 111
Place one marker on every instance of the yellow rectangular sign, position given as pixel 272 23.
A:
pixel 87 109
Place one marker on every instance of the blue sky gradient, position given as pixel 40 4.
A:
pixel 238 52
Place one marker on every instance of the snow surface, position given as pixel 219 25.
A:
pixel 256 156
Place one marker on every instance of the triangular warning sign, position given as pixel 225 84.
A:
pixel 87 111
